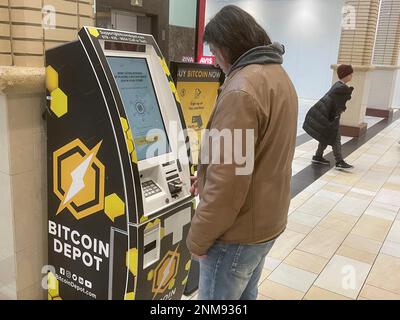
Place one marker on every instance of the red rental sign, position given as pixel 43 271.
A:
pixel 206 60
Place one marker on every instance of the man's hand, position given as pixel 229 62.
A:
pixel 193 188
pixel 198 258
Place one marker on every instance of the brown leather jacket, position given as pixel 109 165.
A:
pixel 249 208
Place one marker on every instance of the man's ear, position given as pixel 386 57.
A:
pixel 226 55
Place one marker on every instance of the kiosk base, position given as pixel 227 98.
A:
pixel 193 280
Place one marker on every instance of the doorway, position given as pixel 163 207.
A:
pixel 131 21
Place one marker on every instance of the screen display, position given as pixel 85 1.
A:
pixel 141 106
pixel 124 46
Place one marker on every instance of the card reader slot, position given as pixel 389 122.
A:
pixel 175 187
pixel 169 172
pixel 150 246
pixel 168 163
pixel 172 177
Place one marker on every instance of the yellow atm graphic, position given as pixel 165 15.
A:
pixel 197 86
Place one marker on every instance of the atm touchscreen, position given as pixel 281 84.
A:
pixel 138 95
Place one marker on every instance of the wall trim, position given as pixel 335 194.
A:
pixel 15 79
pixel 349 131
pixel 380 113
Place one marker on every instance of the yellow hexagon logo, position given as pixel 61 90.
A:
pixel 129 134
pixel 114 206
pixel 124 124
pixel 78 179
pixel 94 32
pixel 129 139
pixel 59 102
pixel 53 292
pixel 51 79
pixel 150 275
pixel 129 144
pixel 187 265
pixel 165 273
pixel 134 157
pixel 130 296
pixel 131 260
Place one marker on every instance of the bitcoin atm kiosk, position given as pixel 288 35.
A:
pixel 119 206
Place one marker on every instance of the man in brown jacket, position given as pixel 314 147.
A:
pixel 242 211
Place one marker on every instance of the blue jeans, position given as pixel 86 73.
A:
pixel 232 271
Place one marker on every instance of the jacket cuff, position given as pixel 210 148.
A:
pixel 195 248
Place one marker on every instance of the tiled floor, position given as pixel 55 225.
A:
pixel 343 235
pixel 349 223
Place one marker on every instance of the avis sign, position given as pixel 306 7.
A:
pixel 206 60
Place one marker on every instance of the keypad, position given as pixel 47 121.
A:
pixel 150 188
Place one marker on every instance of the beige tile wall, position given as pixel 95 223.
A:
pixel 356 46
pixel 7 252
pixel 23 176
pixel 6 225
pixel 387 43
pixel 24 40
pixel 23 200
pixel 5 42
pixel 4 160
pixel 27 174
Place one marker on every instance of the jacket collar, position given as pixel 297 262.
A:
pixel 271 54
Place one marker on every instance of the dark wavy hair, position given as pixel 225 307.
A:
pixel 235 32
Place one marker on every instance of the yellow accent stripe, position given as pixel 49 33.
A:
pixel 165 67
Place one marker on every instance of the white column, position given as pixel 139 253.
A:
pixel 356 48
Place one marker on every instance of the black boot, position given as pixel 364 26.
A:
pixel 343 165
pixel 320 160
